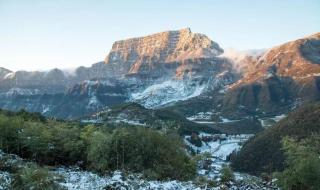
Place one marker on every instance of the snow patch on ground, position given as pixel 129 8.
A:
pixel 201 116
pixel 131 122
pixel 268 122
pixel 80 180
pixel 206 118
pixel 220 146
pixel 226 120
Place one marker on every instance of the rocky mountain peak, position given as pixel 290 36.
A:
pixel 142 53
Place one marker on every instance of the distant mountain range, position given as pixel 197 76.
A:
pixel 180 70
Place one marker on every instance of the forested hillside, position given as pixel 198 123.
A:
pixel 264 153
pixel 102 149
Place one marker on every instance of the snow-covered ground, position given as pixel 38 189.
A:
pixel 206 118
pixel 219 147
pixel 130 122
pixel 76 179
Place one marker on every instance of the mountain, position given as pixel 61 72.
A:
pixel 281 78
pixel 178 70
pixel 155 71
pixel 263 152
pixel 269 83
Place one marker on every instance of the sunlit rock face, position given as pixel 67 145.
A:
pixel 160 53
pixel 288 74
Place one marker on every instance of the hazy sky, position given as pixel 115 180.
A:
pixel 46 34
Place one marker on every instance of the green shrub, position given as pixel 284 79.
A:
pixel 226 174
pixel 303 165
pixel 98 152
pixel 36 178
pixel 141 150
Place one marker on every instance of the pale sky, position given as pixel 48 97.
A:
pixel 43 34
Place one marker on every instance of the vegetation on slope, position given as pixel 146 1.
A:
pixel 159 119
pixel 302 170
pixel 264 154
pixel 101 149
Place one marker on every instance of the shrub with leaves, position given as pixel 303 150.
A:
pixel 226 174
pixel 303 164
pixel 36 178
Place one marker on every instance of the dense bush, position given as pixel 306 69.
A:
pixel 226 174
pixel 102 149
pixel 36 178
pixel 140 150
pixel 303 164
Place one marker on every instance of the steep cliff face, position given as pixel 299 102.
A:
pixel 283 76
pixel 160 53
pixel 169 66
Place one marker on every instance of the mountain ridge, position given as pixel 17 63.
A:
pixel 174 68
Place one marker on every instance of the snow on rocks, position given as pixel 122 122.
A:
pixel 76 179
pixel 167 92
pixel 80 180
pixel 5 180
